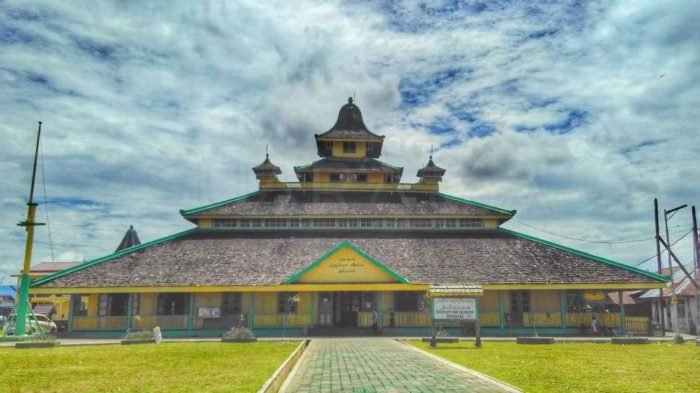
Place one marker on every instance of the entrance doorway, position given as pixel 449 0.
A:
pixel 519 305
pixel 342 309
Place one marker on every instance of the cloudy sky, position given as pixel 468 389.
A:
pixel 577 115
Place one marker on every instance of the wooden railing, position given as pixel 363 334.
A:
pixel 280 320
pixel 542 319
pixel 633 324
pixel 162 321
pixel 100 323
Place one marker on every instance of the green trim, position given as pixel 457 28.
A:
pixel 186 212
pixel 190 315
pixel 106 258
pixel 583 254
pixel 129 311
pixel 623 323
pixel 381 163
pixel 345 244
pixel 478 204
pixel 501 315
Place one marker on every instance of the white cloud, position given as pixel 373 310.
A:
pixel 153 108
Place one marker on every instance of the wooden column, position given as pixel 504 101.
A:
pixel 70 314
pixel 190 316
pixel 251 311
pixel 623 325
pixel 563 309
pixel 129 311
pixel 501 316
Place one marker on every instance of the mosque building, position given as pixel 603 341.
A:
pixel 348 242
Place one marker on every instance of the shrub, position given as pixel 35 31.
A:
pixel 236 332
pixel 139 335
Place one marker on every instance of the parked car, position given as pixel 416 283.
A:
pixel 33 324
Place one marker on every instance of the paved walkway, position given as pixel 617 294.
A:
pixel 364 365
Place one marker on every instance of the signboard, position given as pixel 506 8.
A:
pixel 209 312
pixel 454 309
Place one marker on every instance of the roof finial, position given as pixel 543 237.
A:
pixel 350 99
pixel 431 152
pixel 267 154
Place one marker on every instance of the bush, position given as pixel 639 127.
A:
pixel 236 332
pixel 139 335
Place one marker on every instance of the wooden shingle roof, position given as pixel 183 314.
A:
pixel 206 258
pixel 298 203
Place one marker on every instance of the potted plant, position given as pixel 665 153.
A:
pixel 238 335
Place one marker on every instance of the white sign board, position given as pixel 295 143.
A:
pixel 454 309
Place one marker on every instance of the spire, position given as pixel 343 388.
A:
pixel 267 171
pixel 430 173
pixel 131 239
pixel 349 127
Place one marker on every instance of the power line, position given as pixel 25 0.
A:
pixel 664 250
pixel 587 240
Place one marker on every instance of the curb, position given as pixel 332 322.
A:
pixel 507 387
pixel 275 382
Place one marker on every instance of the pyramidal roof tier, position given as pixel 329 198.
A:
pixel 348 127
pixel 131 239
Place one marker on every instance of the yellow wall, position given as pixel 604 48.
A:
pixel 488 302
pixel 375 178
pixel 322 177
pixel 205 223
pixel 148 303
pixel 345 266
pixel 490 224
pixel 544 301
pixel 93 305
pixel 360 150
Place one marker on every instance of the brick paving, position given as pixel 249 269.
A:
pixel 380 365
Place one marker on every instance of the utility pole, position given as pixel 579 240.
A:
pixel 29 224
pixel 673 307
pixel 697 269
pixel 658 262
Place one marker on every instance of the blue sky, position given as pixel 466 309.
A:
pixel 577 114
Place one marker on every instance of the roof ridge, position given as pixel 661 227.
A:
pixel 186 212
pixel 584 254
pixel 97 261
pixel 479 204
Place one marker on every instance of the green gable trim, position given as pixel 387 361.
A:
pixel 345 244
pixel 583 254
pixel 217 204
pixel 106 258
pixel 479 204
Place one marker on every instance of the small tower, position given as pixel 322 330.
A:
pixel 131 239
pixel 267 171
pixel 430 173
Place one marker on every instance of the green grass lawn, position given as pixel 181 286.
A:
pixel 582 367
pixel 167 367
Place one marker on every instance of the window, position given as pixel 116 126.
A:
pixel 349 147
pixel 135 304
pixel 575 301
pixel 335 178
pixel 113 304
pixel 245 223
pixel 390 222
pixel 408 301
pixel 450 223
pixel 470 223
pixel 520 301
pixel 80 305
pixel 402 223
pixel 172 303
pixel 294 223
pixel 225 223
pixel 421 223
pixel 256 223
pixel 306 177
pixel 439 223
pixel 347 223
pixel 324 223
pixel 276 223
pixel 230 303
pixel 287 302
pixel 361 178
